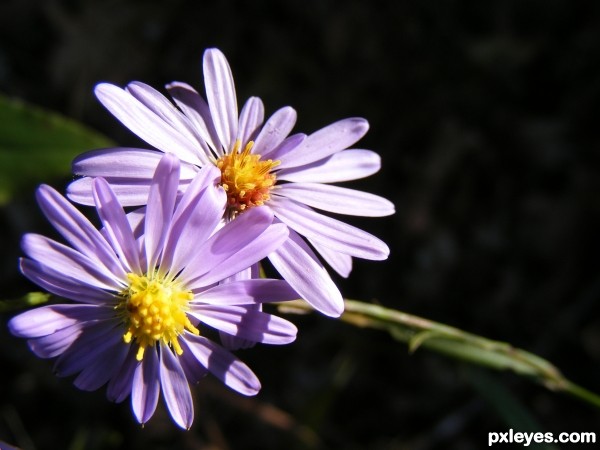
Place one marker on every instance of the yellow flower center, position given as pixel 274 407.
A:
pixel 246 179
pixel 154 309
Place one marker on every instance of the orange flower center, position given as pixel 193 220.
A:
pixel 246 179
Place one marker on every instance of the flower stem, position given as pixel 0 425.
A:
pixel 419 332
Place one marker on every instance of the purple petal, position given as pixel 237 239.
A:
pixel 248 324
pixel 119 387
pixel 144 122
pixel 251 117
pixel 327 141
pixel 176 389
pixel 299 266
pixel 97 339
pixel 159 212
pixel 166 111
pixel 286 146
pixel 195 219
pixel 116 225
pixel 223 364
pixel 47 320
pixel 228 243
pixel 103 367
pixel 220 93
pixel 130 192
pixel 69 262
pixel 245 256
pixel 77 229
pixel 337 199
pixel 340 262
pixel 248 292
pixel 119 162
pixel 346 165
pixel 274 131
pixel 129 171
pixel 193 369
pixel 122 162
pixel 56 343
pixel 208 176
pixel 229 341
pixel 146 386
pixel 59 284
pixel 136 222
pixel 246 274
pixel 232 342
pixel 198 112
pixel 235 343
pixel 332 233
pixel 6 446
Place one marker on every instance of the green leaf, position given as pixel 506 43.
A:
pixel 415 342
pixel 37 145
pixel 27 301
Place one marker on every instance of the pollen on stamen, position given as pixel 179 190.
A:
pixel 154 309
pixel 246 179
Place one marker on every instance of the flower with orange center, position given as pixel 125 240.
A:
pixel 260 163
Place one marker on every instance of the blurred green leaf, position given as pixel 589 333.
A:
pixel 27 301
pixel 37 145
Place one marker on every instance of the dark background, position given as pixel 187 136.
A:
pixel 485 115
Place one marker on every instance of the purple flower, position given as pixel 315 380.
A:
pixel 260 164
pixel 139 305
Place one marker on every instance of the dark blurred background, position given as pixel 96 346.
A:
pixel 485 115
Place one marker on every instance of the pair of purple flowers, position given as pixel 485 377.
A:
pixel 226 192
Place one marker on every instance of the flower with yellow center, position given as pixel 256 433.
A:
pixel 154 309
pixel 140 294
pixel 246 179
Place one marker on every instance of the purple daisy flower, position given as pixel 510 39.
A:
pixel 139 305
pixel 260 164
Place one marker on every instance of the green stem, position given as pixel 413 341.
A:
pixel 419 332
